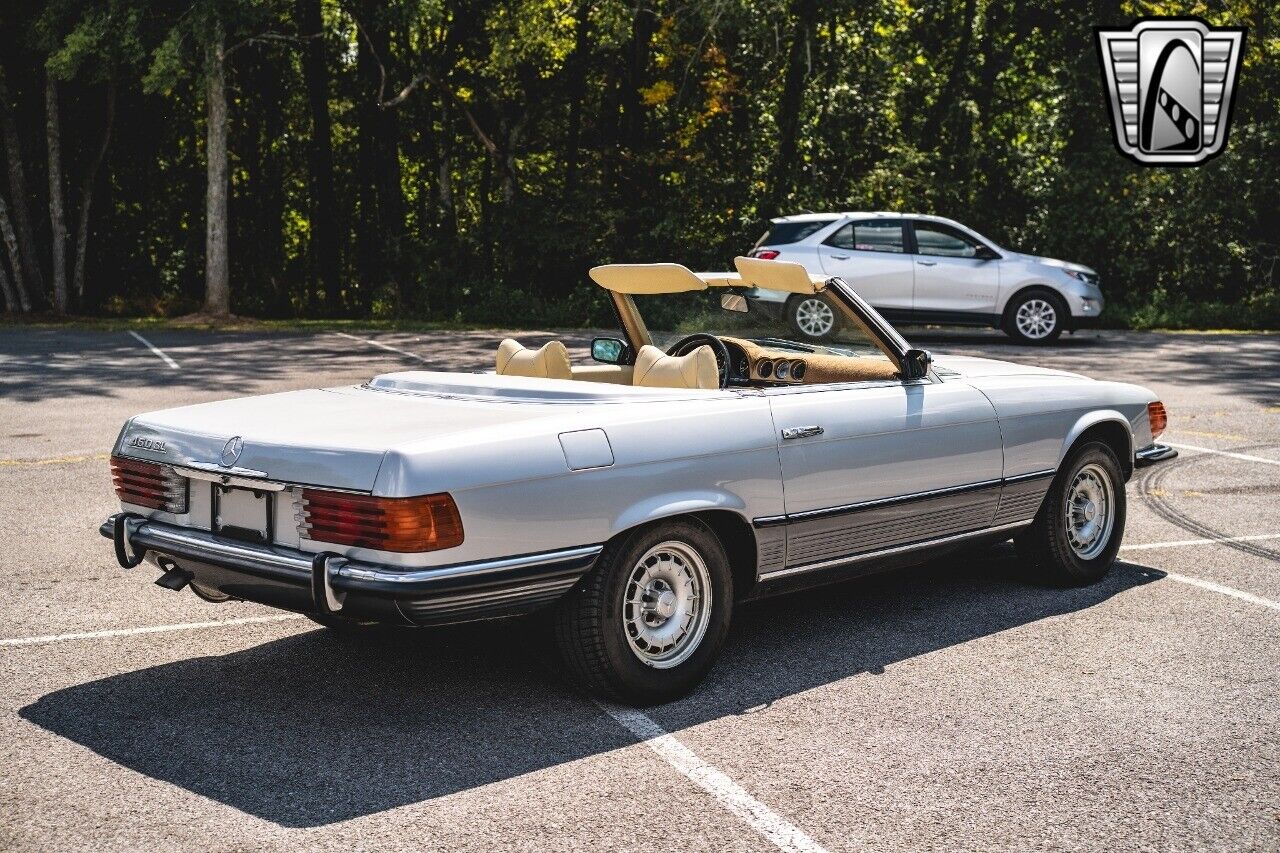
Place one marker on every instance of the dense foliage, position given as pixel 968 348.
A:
pixel 469 161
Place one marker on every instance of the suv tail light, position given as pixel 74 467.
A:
pixel 1159 418
pixel 149 484
pixel 765 254
pixel 403 525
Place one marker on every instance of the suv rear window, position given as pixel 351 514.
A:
pixel 781 233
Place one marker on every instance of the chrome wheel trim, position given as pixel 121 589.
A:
pixel 815 317
pixel 666 605
pixel 1036 318
pixel 1090 511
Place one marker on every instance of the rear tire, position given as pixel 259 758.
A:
pixel 1035 317
pixel 1078 530
pixel 647 623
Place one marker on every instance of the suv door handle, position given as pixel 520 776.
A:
pixel 801 432
pixel 927 263
pixel 840 257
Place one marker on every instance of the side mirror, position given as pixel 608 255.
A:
pixel 986 253
pixel 609 350
pixel 734 302
pixel 916 363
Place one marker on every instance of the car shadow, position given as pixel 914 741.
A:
pixel 318 728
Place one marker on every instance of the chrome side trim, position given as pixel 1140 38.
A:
pixel 1034 475
pixel 888 552
pixel 826 512
pixel 898 499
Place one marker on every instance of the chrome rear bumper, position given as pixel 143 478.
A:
pixel 298 580
pixel 1153 453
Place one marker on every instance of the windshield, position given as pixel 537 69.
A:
pixel 802 324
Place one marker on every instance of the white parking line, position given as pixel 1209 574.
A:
pixel 1181 543
pixel 1243 456
pixel 381 345
pixel 158 352
pixel 760 817
pixel 1225 590
pixel 152 629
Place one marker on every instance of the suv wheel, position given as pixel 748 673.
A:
pixel 646 624
pixel 1035 317
pixel 812 317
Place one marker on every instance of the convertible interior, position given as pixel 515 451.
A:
pixel 702 361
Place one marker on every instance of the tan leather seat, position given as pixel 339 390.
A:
pixel 656 369
pixel 549 362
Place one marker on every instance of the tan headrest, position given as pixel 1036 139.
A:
pixel 549 362
pixel 656 369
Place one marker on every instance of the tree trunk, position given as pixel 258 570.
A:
pixel 57 199
pixel 325 247
pixel 576 70
pixel 217 285
pixel 948 98
pixel 790 106
pixel 370 272
pixel 86 194
pixel 23 302
pixel 380 233
pixel 6 290
pixel 18 192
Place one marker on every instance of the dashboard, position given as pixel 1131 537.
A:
pixel 753 364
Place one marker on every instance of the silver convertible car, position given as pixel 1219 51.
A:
pixel 706 458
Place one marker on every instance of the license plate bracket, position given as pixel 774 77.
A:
pixel 244 514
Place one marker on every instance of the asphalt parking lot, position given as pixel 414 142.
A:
pixel 948 707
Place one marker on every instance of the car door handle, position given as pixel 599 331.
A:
pixel 801 432
pixel 927 263
pixel 840 257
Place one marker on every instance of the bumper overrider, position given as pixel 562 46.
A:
pixel 1153 453
pixel 333 585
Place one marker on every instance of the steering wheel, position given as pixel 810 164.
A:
pixel 689 343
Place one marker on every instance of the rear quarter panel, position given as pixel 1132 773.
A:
pixel 517 495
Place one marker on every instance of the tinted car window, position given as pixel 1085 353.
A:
pixel 871 236
pixel 934 238
pixel 781 233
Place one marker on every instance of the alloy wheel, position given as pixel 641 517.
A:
pixel 1090 511
pixel 1036 318
pixel 667 604
pixel 815 317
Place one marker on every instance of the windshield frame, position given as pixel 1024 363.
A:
pixel 852 307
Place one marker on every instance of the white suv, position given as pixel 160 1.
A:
pixel 926 269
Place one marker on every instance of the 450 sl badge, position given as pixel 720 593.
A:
pixel 1170 84
pixel 153 444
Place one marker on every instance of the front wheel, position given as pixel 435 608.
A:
pixel 1035 317
pixel 812 317
pixel 646 624
pixel 1077 533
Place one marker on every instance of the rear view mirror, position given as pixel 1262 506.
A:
pixel 734 302
pixel 986 253
pixel 609 350
pixel 916 364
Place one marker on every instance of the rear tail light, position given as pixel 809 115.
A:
pixel 1159 418
pixel 765 254
pixel 149 484
pixel 404 525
